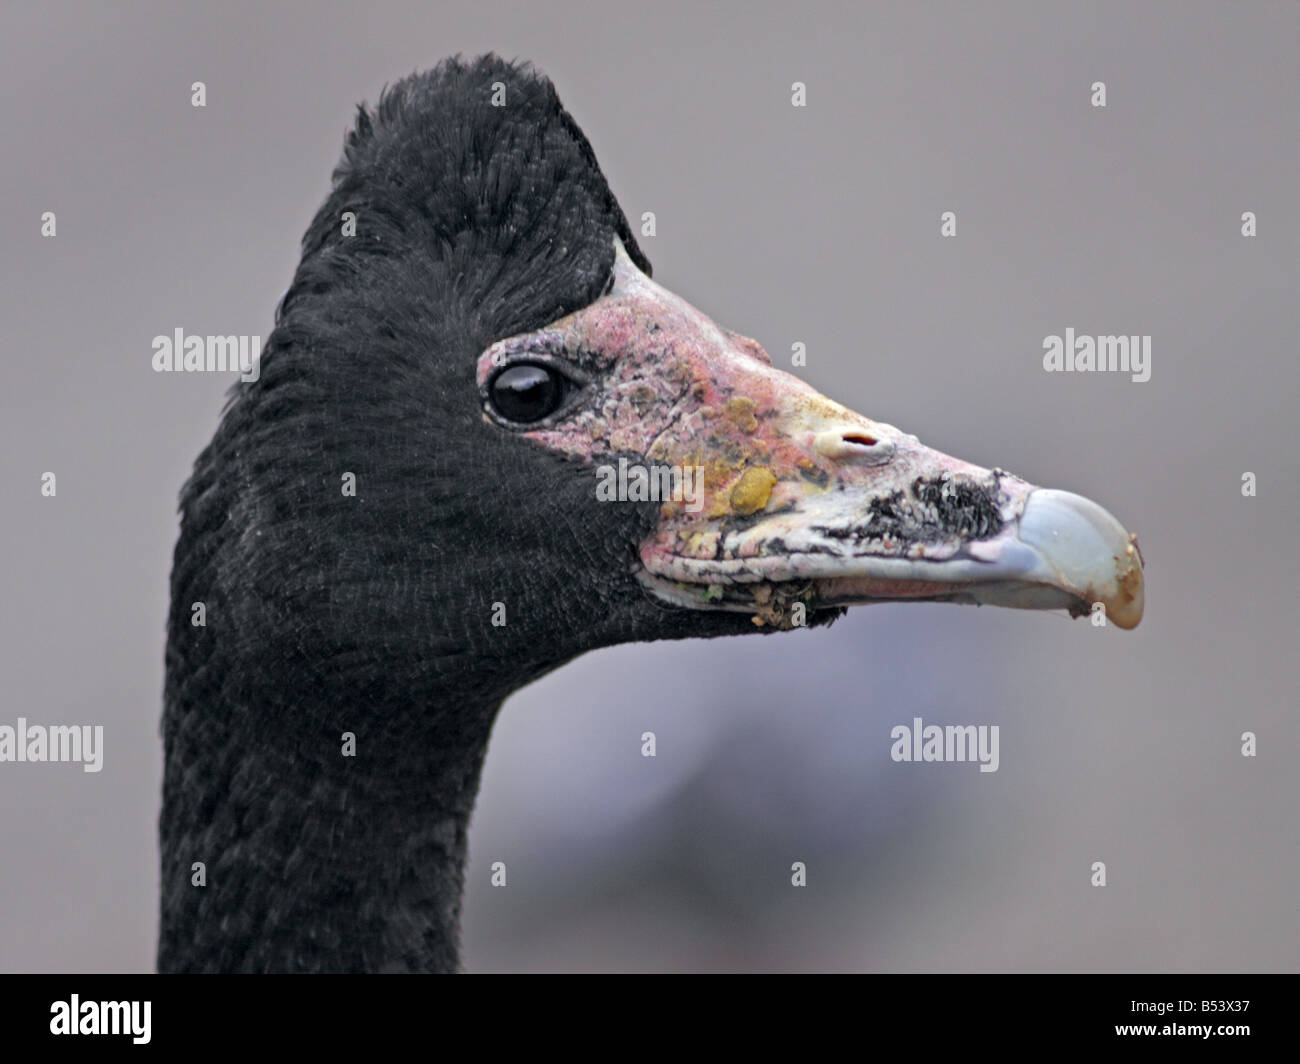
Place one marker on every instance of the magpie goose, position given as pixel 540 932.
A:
pixel 483 441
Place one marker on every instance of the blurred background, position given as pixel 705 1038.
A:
pixel 817 225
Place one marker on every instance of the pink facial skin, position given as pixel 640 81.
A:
pixel 802 499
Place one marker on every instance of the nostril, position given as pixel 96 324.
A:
pixel 853 445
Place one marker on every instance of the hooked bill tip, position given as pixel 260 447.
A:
pixel 1088 552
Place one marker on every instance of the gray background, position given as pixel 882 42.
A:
pixel 819 225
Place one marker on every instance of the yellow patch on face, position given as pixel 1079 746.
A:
pixel 740 412
pixel 752 490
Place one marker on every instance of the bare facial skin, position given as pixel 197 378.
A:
pixel 803 501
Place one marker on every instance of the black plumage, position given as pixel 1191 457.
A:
pixel 401 521
pixel 373 615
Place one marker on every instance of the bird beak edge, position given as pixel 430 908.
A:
pixel 777 501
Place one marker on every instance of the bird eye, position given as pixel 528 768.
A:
pixel 527 393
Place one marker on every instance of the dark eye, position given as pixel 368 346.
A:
pixel 527 393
